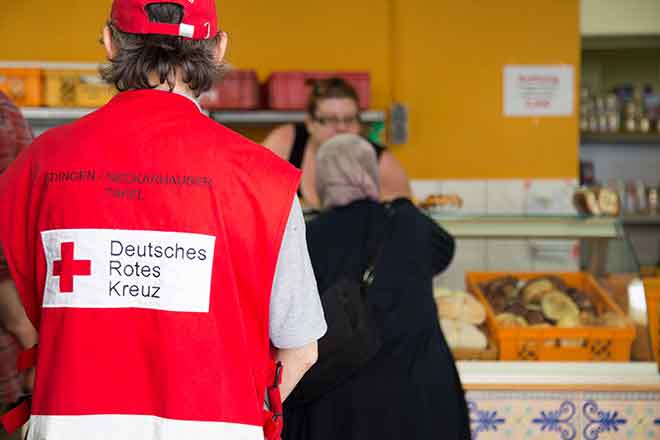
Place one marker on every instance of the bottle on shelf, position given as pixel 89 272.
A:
pixel 630 120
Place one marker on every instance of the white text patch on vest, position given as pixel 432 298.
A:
pixel 112 268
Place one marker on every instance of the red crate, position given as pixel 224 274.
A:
pixel 238 90
pixel 290 90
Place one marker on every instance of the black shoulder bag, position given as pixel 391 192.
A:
pixel 353 337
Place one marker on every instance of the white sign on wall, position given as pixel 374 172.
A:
pixel 533 90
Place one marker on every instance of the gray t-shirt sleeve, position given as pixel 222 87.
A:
pixel 296 315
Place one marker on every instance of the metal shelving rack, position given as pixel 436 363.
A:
pixel 595 233
pixel 539 227
pixel 42 118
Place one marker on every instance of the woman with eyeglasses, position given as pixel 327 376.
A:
pixel 332 109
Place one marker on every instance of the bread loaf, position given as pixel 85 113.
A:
pixel 461 306
pixel 463 335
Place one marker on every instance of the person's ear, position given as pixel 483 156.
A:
pixel 107 43
pixel 221 48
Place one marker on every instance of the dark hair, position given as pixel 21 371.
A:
pixel 329 88
pixel 137 56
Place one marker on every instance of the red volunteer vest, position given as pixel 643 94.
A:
pixel 143 239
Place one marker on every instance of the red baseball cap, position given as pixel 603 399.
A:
pixel 200 20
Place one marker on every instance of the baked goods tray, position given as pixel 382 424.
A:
pixel 610 341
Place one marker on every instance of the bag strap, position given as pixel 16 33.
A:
pixel 369 274
pixel 273 423
pixel 17 416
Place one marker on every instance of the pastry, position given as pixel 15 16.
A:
pixel 442 201
pixel 585 202
pixel 535 289
pixel 535 318
pixel 597 201
pixel 505 286
pixel 461 306
pixel 608 201
pixel 557 306
pixel 463 335
pixel 581 299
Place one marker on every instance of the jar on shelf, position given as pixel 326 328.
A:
pixel 603 123
pixel 584 123
pixel 611 103
pixel 630 124
pixel 613 122
pixel 652 200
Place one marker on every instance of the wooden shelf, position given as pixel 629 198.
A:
pixel 620 139
pixel 641 220
pixel 620 42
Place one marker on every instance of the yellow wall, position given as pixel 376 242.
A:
pixel 449 72
pixel 442 58
pixel 264 35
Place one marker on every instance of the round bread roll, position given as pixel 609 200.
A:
pixel 559 306
pixel 461 306
pixel 608 201
pixel 463 335
pixel 536 289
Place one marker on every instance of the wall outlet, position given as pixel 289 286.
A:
pixel 398 124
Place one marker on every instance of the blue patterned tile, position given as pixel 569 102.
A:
pixel 483 421
pixel 598 421
pixel 560 420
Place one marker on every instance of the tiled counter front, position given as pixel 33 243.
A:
pixel 562 401
pixel 564 415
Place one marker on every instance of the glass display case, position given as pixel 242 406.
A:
pixel 569 381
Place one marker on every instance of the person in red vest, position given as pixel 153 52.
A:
pixel 160 256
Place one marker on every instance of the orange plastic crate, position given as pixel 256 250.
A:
pixel 238 90
pixel 652 291
pixel 290 90
pixel 75 88
pixel 22 86
pixel 611 344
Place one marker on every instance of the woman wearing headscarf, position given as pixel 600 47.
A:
pixel 410 388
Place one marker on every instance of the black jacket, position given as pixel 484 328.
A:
pixel 411 389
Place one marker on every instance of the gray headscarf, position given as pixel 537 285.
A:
pixel 346 171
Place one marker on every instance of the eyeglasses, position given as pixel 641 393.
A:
pixel 333 121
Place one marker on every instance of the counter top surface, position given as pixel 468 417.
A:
pixel 560 375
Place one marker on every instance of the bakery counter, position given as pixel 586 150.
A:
pixel 562 400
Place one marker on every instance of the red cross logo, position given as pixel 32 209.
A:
pixel 67 267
